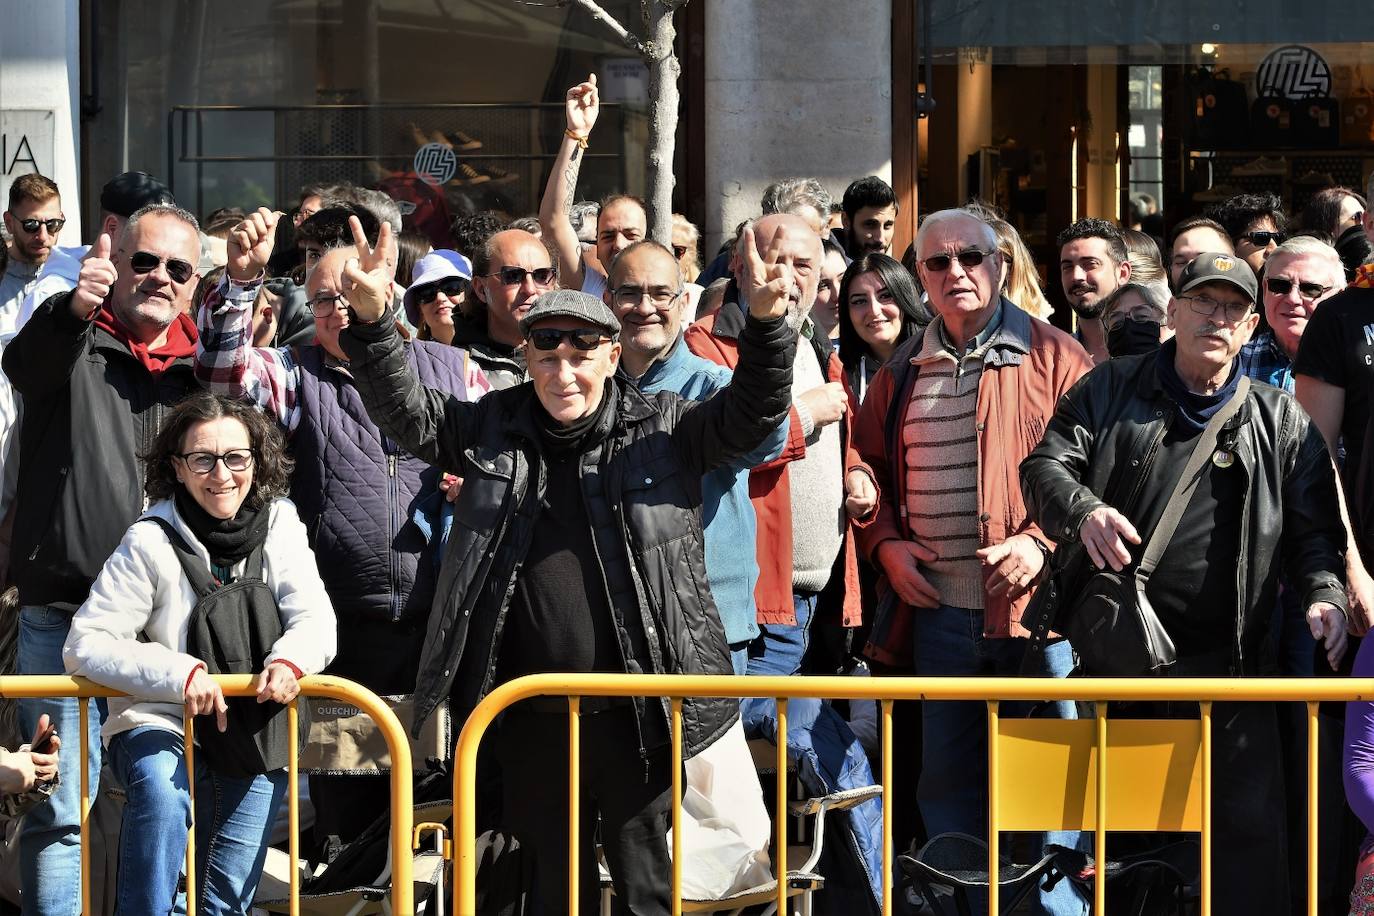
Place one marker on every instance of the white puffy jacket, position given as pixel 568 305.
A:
pixel 131 632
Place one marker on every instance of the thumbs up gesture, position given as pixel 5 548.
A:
pixel 93 284
pixel 249 246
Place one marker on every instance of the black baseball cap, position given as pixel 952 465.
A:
pixel 126 194
pixel 1216 267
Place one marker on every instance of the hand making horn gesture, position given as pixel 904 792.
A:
pixel 249 246
pixel 368 277
pixel 770 280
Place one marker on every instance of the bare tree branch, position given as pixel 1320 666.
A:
pixel 624 34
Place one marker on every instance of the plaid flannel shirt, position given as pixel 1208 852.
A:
pixel 1264 361
pixel 227 363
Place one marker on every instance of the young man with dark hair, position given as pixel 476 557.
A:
pixel 1192 237
pixel 32 221
pixel 1093 262
pixel 1256 224
pixel 870 216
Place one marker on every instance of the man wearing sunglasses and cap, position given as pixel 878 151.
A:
pixel 99 366
pixel 578 546
pixel 1263 503
pixel 374 509
pixel 946 423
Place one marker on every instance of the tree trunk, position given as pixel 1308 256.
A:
pixel 664 70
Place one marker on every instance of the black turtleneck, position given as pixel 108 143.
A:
pixel 560 617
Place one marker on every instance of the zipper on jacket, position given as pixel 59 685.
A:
pixel 393 501
pixel 1146 464
pixel 52 512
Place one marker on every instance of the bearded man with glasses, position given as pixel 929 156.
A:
pixel 373 508
pixel 98 367
pixel 946 422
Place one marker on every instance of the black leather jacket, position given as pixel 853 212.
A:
pixel 1108 429
pixel 642 486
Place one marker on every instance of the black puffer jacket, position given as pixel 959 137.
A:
pixel 642 487
pixel 90 410
pixel 1103 439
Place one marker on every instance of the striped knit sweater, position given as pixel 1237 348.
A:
pixel 942 465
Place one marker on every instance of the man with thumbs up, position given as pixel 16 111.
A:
pixel 98 367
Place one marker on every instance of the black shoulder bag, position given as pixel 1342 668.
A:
pixel 232 629
pixel 1110 623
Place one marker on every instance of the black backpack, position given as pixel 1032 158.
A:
pixel 232 629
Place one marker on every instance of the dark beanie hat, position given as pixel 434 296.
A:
pixel 124 195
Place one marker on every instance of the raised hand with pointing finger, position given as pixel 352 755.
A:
pixel 97 277
pixel 583 105
pixel 367 279
pixel 249 246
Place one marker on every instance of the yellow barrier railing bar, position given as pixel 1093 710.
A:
pixel 1095 690
pixel 1206 839
pixel 1100 835
pixel 780 857
pixel 887 804
pixel 34 686
pixel 677 809
pixel 83 760
pixel 994 839
pixel 1313 749
pixel 574 797
pixel 293 801
pixel 189 752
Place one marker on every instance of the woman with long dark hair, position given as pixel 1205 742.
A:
pixel 216 577
pixel 879 308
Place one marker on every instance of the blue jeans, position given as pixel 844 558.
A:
pixel 233 824
pixel 780 647
pixel 952 792
pixel 50 838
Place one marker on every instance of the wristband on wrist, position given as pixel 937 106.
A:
pixel 580 138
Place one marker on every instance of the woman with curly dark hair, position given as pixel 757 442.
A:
pixel 879 308
pixel 217 577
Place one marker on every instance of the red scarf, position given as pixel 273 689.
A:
pixel 181 340
pixel 1364 276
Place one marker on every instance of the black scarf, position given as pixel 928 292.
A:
pixel 229 540
pixel 557 440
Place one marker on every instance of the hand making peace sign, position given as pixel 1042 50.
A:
pixel 769 280
pixel 367 279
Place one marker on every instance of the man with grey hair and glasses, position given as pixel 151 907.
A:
pixel 1134 316
pixel 945 425
pixel 100 364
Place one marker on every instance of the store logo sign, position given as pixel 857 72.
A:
pixel 435 163
pixel 1293 72
pixel 26 145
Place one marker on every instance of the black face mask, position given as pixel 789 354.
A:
pixel 1132 337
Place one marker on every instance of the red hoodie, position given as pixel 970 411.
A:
pixel 181 340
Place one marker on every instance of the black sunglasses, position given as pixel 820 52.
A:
pixel 1261 239
pixel 679 251
pixel 969 257
pixel 582 338
pixel 452 287
pixel 514 276
pixel 30 226
pixel 145 262
pixel 1282 286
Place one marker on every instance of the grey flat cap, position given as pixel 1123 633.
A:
pixel 570 303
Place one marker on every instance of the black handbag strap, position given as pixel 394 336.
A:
pixel 1188 481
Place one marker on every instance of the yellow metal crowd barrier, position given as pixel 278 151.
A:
pixel 241 685
pixel 1165 764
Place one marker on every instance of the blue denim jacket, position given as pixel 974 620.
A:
pixel 727 516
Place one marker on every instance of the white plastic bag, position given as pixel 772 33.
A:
pixel 726 828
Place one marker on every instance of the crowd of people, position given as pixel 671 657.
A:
pixel 279 443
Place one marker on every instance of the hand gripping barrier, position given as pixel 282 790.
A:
pixel 1156 774
pixel 241 685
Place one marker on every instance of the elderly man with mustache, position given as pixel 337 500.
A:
pixel 1264 503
